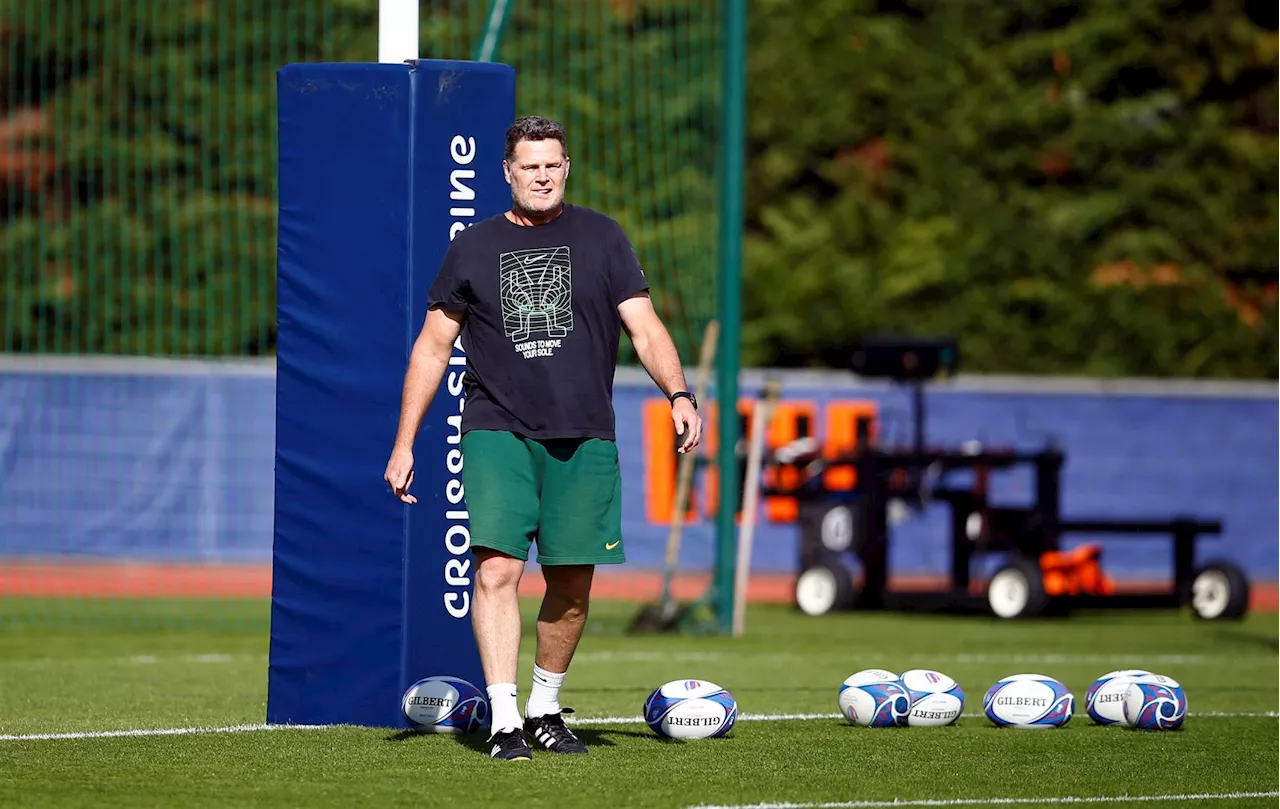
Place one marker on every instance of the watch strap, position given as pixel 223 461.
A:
pixel 684 394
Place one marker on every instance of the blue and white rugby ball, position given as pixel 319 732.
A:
pixel 874 698
pixel 1105 698
pixel 936 699
pixel 1155 702
pixel 1028 701
pixel 690 709
pixel 445 705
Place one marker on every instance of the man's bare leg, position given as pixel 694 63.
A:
pixel 495 619
pixel 560 623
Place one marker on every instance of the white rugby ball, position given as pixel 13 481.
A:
pixel 1154 702
pixel 1028 701
pixel 690 709
pixel 871 676
pixel 874 698
pixel 936 699
pixel 1104 700
pixel 445 705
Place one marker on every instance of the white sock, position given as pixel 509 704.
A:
pixel 506 713
pixel 544 697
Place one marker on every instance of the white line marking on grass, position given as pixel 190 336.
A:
pixel 114 734
pixel 1170 659
pixel 805 717
pixel 636 657
pixel 133 660
pixel 574 720
pixel 744 717
pixel 610 656
pixel 1219 796
pixel 208 657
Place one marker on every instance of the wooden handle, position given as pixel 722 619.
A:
pixel 684 480
pixel 761 415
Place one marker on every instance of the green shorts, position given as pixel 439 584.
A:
pixel 563 493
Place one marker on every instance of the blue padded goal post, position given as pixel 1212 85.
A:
pixel 380 165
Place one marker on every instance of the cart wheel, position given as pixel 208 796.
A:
pixel 1220 592
pixel 824 588
pixel 1017 589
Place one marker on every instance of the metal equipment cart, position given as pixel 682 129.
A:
pixel 1035 575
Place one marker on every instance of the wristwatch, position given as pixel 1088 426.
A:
pixel 684 394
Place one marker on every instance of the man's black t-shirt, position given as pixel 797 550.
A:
pixel 542 326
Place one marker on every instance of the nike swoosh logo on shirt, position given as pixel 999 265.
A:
pixel 608 546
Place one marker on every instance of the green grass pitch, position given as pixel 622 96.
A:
pixel 174 671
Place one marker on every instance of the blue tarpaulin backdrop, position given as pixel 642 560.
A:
pixel 178 466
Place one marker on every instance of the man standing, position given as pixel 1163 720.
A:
pixel 539 295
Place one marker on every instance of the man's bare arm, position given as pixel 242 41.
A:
pixel 654 347
pixel 427 363
pixel 658 355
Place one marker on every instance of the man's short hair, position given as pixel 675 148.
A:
pixel 534 127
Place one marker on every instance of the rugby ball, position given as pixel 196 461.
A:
pixel 1154 702
pixel 1028 701
pixel 445 705
pixel 935 698
pixel 874 698
pixel 1104 700
pixel 690 709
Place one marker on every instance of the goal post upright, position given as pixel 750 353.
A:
pixel 397 31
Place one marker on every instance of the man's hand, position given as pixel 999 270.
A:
pixel 688 423
pixel 399 474
pixel 427 362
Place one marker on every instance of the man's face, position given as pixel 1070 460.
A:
pixel 537 171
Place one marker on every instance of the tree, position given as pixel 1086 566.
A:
pixel 1066 187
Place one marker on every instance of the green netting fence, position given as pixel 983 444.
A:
pixel 138 204
pixel 138 152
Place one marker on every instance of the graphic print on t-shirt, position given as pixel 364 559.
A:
pixel 536 290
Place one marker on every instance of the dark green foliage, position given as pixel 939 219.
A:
pixel 1082 187
pixel 1066 187
pixel 152 229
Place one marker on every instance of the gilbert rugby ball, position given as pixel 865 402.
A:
pixel 1104 701
pixel 445 705
pixel 936 699
pixel 1028 701
pixel 690 709
pixel 1155 702
pixel 874 698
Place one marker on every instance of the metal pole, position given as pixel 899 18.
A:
pixel 733 145
pixel 397 30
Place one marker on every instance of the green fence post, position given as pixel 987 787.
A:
pixel 732 147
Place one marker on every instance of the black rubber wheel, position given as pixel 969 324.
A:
pixel 1016 589
pixel 1220 592
pixel 824 588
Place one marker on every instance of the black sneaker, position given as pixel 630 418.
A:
pixel 551 732
pixel 509 745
